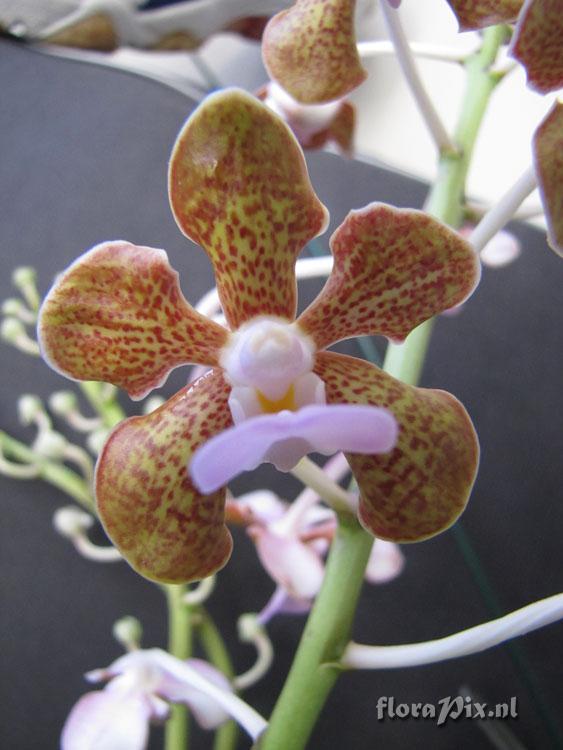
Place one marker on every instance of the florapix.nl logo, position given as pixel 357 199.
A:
pixel 445 709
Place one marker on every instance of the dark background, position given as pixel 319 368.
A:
pixel 83 159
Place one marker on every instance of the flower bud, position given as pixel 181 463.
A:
pixel 128 632
pixel 29 408
pixel 13 306
pixel 24 276
pixel 62 403
pixel 11 330
pixel 96 439
pixel 71 521
pixel 50 444
pixel 249 627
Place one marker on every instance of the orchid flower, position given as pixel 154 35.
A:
pixel 291 542
pixel 537 41
pixel 314 125
pixel 105 25
pixel 310 50
pixel 239 186
pixel 140 687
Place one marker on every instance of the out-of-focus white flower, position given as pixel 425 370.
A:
pixel 140 686
pixel 291 543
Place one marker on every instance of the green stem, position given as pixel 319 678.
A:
pixel 446 199
pixel 314 672
pixel 52 472
pixel 176 735
pixel 216 651
pixel 108 409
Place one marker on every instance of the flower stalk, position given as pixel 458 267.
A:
pixel 176 733
pixel 52 472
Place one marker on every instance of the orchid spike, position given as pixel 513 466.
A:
pixel 141 686
pixel 239 186
pixel 310 50
pixel 548 157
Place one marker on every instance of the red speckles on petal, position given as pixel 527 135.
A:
pixel 421 487
pixel 310 50
pixel 393 269
pixel 161 524
pixel 239 187
pixel 477 14
pixel 538 43
pixel 548 157
pixel 118 315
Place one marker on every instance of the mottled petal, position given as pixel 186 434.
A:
pixel 284 438
pixel 291 564
pixel 108 720
pixel 96 32
pixel 310 50
pixel 538 44
pixel 385 563
pixel 117 315
pixel 239 186
pixel 393 269
pixel 422 486
pixel 548 157
pixel 160 523
pixel 477 14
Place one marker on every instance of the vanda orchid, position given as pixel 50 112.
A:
pixel 239 187
pixel 397 461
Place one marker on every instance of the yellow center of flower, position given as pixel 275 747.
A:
pixel 285 403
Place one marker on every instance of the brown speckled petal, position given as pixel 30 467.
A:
pixel 477 14
pixel 393 269
pixel 117 315
pixel 150 509
pixel 422 486
pixel 239 186
pixel 310 50
pixel 548 156
pixel 538 44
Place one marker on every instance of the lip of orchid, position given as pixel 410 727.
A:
pixel 284 438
